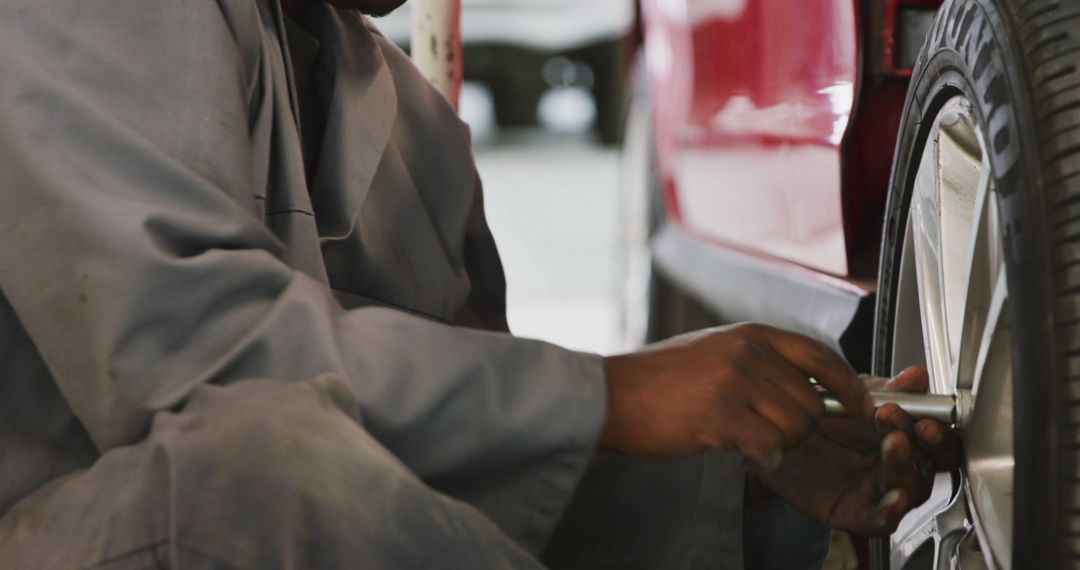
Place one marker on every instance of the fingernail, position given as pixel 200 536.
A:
pixel 772 461
pixel 888 445
pixel 868 405
pixel 933 434
pixel 891 447
pixel 889 499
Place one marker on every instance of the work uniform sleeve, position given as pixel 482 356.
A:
pixel 631 513
pixel 132 256
pixel 680 513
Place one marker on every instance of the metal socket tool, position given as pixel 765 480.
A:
pixel 942 408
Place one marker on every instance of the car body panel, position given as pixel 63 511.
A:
pixel 773 129
pixel 752 99
pixel 736 287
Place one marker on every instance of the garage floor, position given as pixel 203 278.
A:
pixel 552 202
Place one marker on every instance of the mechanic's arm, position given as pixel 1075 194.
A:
pixel 133 255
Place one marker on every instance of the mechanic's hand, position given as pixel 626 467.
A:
pixel 743 387
pixel 853 475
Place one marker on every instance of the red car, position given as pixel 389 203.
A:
pixel 900 178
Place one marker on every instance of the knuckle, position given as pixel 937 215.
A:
pixel 724 388
pixel 801 422
pixel 809 422
pixel 736 394
pixel 712 440
pixel 738 384
pixel 743 350
pixel 702 433
pixel 772 441
pixel 710 436
pixel 822 354
pixel 747 329
pixel 793 436
pixel 757 329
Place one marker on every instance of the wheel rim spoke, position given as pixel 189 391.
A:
pixel 989 440
pixel 926 244
pixel 983 263
pixel 995 324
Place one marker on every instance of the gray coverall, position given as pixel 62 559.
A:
pixel 213 355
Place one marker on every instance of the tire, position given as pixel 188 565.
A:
pixel 1017 64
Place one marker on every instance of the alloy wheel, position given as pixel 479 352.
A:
pixel 953 317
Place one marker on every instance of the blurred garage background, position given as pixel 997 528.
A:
pixel 546 98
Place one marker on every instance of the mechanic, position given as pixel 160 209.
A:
pixel 252 317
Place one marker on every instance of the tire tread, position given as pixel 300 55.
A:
pixel 1050 46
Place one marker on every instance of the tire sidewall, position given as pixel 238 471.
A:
pixel 971 51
